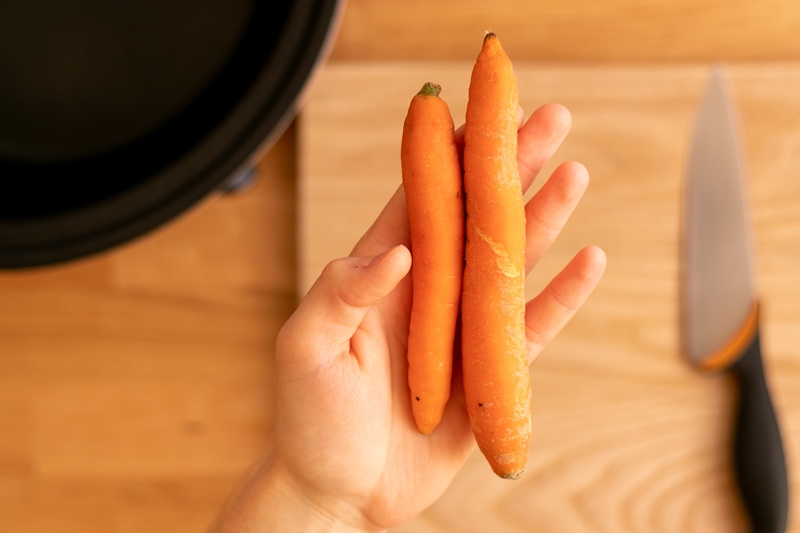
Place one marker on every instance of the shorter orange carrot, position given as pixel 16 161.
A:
pixel 432 181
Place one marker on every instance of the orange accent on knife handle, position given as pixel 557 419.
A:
pixel 736 346
pixel 758 450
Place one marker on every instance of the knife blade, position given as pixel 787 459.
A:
pixel 720 306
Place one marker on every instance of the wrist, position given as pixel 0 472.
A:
pixel 319 512
pixel 272 501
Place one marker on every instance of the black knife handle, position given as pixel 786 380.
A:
pixel 758 450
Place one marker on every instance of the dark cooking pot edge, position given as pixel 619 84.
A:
pixel 244 136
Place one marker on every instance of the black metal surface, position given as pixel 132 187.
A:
pixel 116 116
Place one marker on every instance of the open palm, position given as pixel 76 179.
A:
pixel 345 437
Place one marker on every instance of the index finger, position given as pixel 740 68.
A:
pixel 389 229
pixel 539 138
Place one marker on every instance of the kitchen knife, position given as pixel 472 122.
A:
pixel 720 308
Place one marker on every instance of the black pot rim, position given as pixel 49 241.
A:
pixel 244 134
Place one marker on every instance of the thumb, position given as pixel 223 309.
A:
pixel 338 301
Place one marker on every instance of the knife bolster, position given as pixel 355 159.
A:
pixel 736 346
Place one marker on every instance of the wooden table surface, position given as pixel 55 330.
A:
pixel 627 437
pixel 135 386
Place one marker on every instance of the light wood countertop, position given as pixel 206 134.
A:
pixel 627 437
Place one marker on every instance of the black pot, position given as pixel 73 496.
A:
pixel 118 115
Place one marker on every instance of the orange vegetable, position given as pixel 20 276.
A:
pixel 494 351
pixel 432 182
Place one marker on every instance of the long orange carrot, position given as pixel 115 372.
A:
pixel 494 353
pixel 432 182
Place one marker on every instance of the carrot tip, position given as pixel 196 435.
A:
pixel 512 475
pixel 430 89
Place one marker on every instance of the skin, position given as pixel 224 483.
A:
pixel 346 454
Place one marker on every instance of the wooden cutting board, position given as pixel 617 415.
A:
pixel 627 437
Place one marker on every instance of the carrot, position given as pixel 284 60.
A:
pixel 494 352
pixel 432 181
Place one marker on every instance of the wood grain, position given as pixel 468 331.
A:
pixel 135 386
pixel 572 30
pixel 626 436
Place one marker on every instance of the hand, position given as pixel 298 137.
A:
pixel 346 449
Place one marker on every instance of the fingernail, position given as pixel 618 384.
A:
pixel 375 259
